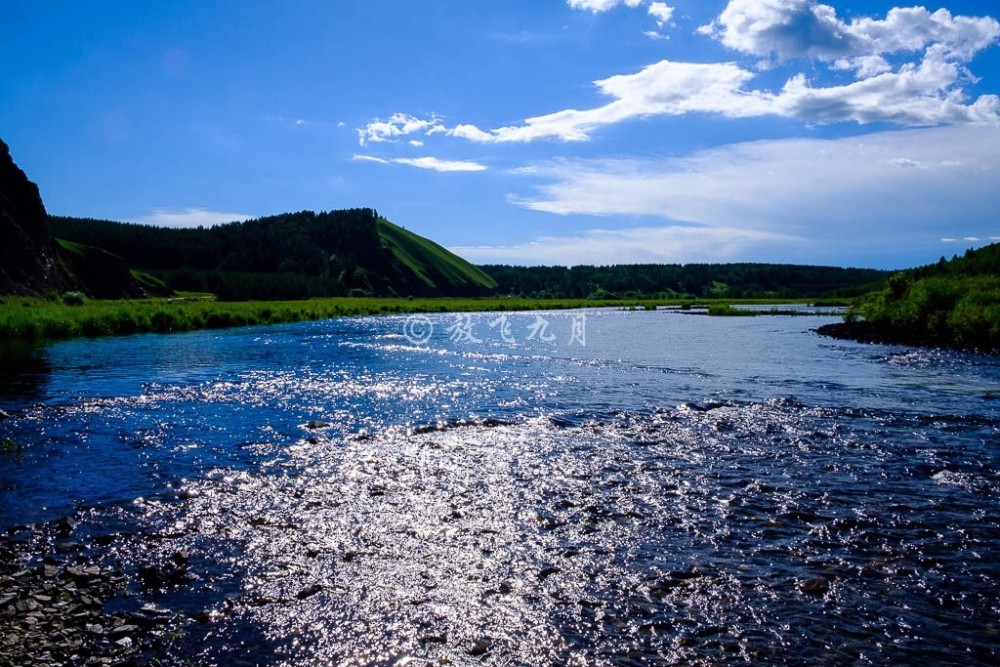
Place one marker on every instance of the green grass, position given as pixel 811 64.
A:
pixel 420 255
pixel 727 309
pixel 45 319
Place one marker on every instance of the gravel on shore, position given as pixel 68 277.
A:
pixel 54 594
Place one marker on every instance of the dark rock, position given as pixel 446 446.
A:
pixel 309 591
pixel 155 577
pixel 124 631
pixel 65 526
pixel 817 586
pixel 27 252
pixel 479 648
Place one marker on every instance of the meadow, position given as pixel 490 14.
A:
pixel 71 315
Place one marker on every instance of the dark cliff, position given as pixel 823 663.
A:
pixel 32 262
pixel 28 254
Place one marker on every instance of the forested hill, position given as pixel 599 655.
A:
pixel 295 255
pixel 683 280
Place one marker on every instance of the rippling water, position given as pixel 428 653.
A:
pixel 669 490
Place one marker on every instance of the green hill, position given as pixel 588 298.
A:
pixel 294 255
pixel 432 264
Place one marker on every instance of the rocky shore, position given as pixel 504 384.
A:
pixel 865 332
pixel 54 595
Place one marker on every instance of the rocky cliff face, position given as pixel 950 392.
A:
pixel 28 255
pixel 32 262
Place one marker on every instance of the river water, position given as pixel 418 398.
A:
pixel 607 487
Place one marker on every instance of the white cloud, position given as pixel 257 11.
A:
pixel 602 5
pixel 661 12
pixel 921 94
pixel 852 192
pixel 431 163
pixel 928 90
pixel 791 29
pixel 664 88
pixel 398 125
pixel 435 164
pixel 191 217
pixel 669 244
pixel 369 158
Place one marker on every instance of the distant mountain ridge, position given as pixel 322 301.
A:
pixel 294 255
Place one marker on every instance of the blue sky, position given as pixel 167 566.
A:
pixel 850 132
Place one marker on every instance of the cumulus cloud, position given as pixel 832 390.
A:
pixel 431 163
pixel 191 217
pixel 397 126
pixel 860 190
pixel 917 94
pixel 790 29
pixel 662 12
pixel 923 86
pixel 925 93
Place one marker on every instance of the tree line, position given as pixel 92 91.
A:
pixel 732 281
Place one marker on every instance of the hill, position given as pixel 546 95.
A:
pixel 294 255
pixel 952 304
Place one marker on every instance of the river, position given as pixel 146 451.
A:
pixel 598 487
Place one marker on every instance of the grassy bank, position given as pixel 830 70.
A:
pixel 73 316
pixel 39 319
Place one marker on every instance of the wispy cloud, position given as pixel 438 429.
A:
pixel 597 6
pixel 667 244
pixel 191 217
pixel 435 164
pixel 432 163
pixel 369 158
pixel 861 190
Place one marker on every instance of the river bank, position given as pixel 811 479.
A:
pixel 54 319
pixel 867 332
pixel 55 602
